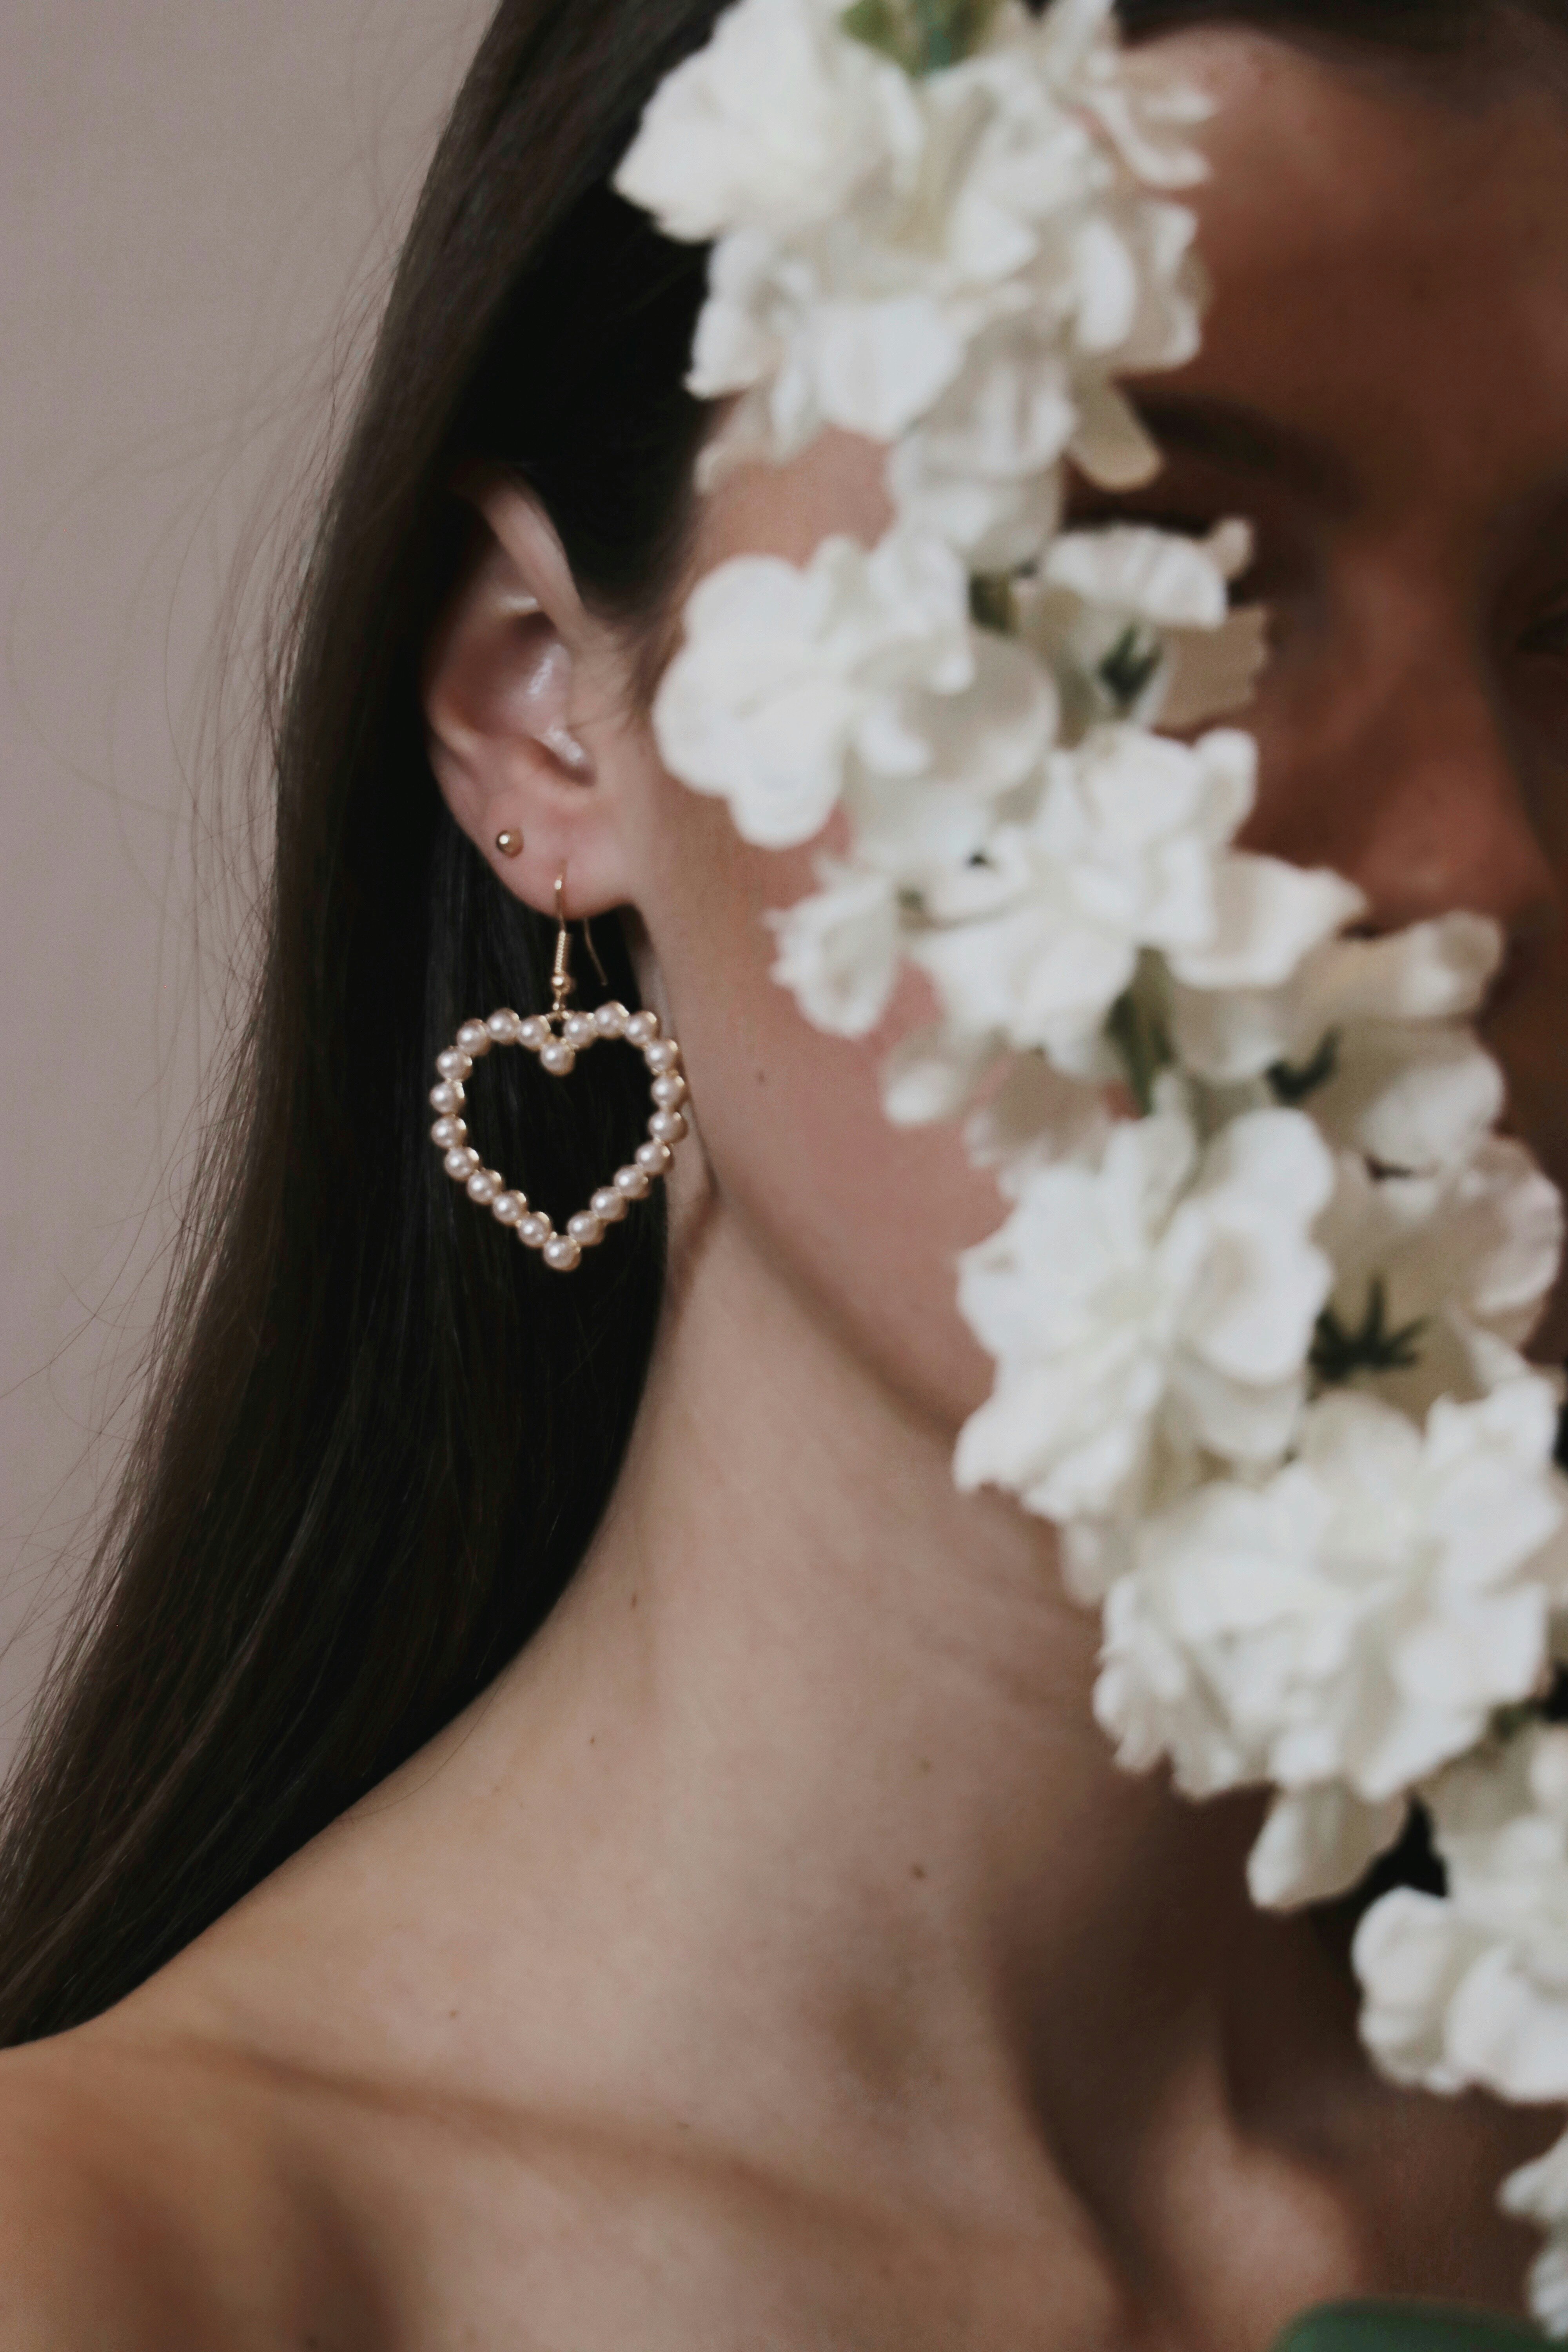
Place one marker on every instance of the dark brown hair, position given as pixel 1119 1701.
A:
pixel 379 1436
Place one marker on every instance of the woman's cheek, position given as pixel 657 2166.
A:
pixel 866 1219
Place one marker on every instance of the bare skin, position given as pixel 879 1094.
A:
pixel 774 1958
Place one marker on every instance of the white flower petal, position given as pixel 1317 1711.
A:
pixel 790 679
pixel 774 123
pixel 839 949
pixel 1267 918
pixel 934 1073
pixel 1210 673
pixel 1411 1955
pixel 1170 581
pixel 1471 1987
pixel 1316 1843
pixel 1111 443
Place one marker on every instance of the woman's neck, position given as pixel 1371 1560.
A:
pixel 794 1827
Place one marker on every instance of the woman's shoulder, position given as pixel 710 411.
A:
pixel 83 2262
pixel 166 2186
pixel 140 2210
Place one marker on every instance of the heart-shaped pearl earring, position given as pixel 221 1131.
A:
pixel 558 1038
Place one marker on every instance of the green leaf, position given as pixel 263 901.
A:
pixel 993 603
pixel 923 35
pixel 1126 669
pixel 1294 1085
pixel 1407 2327
pixel 1340 1352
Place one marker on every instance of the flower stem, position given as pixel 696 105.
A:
pixel 1140 1037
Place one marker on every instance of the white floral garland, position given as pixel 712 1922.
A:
pixel 1258 1348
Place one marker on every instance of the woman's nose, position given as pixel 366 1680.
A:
pixel 1396 765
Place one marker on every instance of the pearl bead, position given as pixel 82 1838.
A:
pixel 534 1229
pixel 460 1162
pixel 503 1026
pixel 661 1054
pixel 453 1064
pixel 667 1127
pixel 655 1158
pixel 533 1031
pixel 641 1028
pixel 561 1253
pixel 632 1181
pixel 558 1058
pixel 447 1097
pixel 608 1206
pixel 579 1029
pixel 611 1019
pixel 483 1186
pixel 474 1038
pixel 585 1229
pixel 448 1131
pixel 669 1091
pixel 508 1208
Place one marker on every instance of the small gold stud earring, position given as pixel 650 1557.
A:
pixel 510 843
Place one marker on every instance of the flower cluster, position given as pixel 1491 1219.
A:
pixel 1257 1305
pixel 954 261
pixel 1470 1989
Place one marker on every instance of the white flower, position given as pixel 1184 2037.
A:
pixel 963 280
pixel 981 462
pixel 1034 1118
pixel 1127 850
pixel 839 949
pixel 1366 1030
pixel 1031 1118
pixel 1148 116
pixel 1448 1273
pixel 774 125
pixel 1136 623
pixel 815 345
pixel 1268 915
pixel 922 800
pixel 1165 1296
pixel 1348 1626
pixel 983 467
pixel 1538 2192
pixel 1470 1988
pixel 793 682
pixel 934 1073
pixel 1130 572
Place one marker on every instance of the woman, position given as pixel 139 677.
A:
pixel 768 1951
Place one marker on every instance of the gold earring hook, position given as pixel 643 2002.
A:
pixel 561 979
pixel 561 983
pixel 594 952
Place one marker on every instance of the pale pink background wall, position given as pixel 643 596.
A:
pixel 197 199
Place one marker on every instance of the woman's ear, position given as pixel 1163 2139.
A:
pixel 503 679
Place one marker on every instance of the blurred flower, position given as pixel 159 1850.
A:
pixel 1470 1988
pixel 794 683
pixel 1166 1293
pixel 1350 1624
